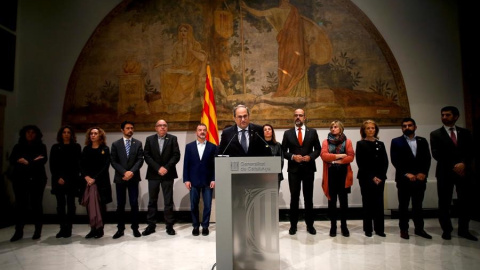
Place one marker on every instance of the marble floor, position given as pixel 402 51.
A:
pixel 184 251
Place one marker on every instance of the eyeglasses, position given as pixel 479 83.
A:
pixel 242 116
pixel 161 125
pixel 298 115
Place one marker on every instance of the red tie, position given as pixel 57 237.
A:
pixel 300 139
pixel 452 135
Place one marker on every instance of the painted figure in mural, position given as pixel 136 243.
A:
pixel 301 42
pixel 186 73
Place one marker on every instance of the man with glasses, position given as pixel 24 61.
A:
pixel 243 138
pixel 162 153
pixel 301 147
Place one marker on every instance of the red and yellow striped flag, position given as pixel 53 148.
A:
pixel 209 111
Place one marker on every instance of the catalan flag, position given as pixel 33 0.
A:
pixel 209 111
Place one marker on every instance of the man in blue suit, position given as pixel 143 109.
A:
pixel 127 159
pixel 410 155
pixel 199 177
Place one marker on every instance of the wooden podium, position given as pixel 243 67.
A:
pixel 247 212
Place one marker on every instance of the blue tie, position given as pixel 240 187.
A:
pixel 244 141
pixel 127 147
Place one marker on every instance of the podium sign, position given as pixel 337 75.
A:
pixel 247 212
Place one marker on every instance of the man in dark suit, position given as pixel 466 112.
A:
pixel 199 177
pixel 452 147
pixel 411 158
pixel 243 138
pixel 161 154
pixel 301 147
pixel 127 159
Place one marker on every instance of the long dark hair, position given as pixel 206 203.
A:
pixel 73 137
pixel 273 132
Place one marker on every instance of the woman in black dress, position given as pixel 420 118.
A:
pixel 372 161
pixel 29 178
pixel 275 146
pixel 97 192
pixel 65 168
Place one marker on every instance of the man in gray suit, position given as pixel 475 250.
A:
pixel 162 154
pixel 127 159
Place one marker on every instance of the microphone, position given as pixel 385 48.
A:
pixel 266 144
pixel 225 150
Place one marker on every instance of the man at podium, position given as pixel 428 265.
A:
pixel 243 139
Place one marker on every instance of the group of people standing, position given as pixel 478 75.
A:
pixel 85 174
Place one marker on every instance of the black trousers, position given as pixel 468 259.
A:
pixel 28 199
pixel 167 191
pixel 122 188
pixel 295 182
pixel 336 188
pixel 372 201
pixel 415 191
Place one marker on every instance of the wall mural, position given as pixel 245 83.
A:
pixel 146 61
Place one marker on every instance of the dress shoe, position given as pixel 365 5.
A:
pixel 311 230
pixel 99 233
pixel 292 230
pixel 205 231
pixel 423 234
pixel 170 230
pixel 467 235
pixel 118 234
pixel 345 232
pixel 404 235
pixel 67 233
pixel 368 234
pixel 333 232
pixel 446 236
pixel 136 233
pixel 149 230
pixel 91 234
pixel 60 233
pixel 36 235
pixel 195 231
pixel 381 234
pixel 16 236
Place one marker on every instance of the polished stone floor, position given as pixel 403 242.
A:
pixel 184 251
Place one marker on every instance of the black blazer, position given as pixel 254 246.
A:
pixel 447 154
pixel 405 162
pixel 257 146
pixel 168 159
pixel 121 163
pixel 311 146
pixel 372 160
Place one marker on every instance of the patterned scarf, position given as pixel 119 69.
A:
pixel 336 145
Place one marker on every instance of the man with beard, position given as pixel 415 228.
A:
pixel 410 155
pixel 452 147
pixel 199 177
pixel 301 147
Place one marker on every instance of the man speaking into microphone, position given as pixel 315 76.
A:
pixel 243 139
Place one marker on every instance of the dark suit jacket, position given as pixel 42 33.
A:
pixel 447 154
pixel 311 146
pixel 199 172
pixel 405 162
pixel 257 147
pixel 168 159
pixel 121 163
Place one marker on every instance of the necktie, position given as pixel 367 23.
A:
pixel 127 147
pixel 452 135
pixel 244 141
pixel 300 139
